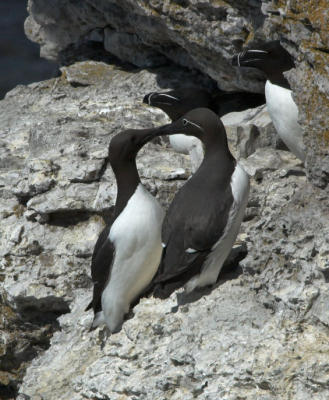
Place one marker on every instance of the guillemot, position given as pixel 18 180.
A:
pixel 274 60
pixel 128 251
pixel 176 103
pixel 204 218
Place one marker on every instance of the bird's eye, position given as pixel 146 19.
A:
pixel 185 122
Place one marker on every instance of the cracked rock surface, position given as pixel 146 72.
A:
pixel 202 35
pixel 57 190
pixel 260 333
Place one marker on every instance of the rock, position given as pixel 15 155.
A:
pixel 128 47
pixel 241 338
pixel 262 331
pixel 303 27
pixel 191 33
pixel 203 36
pixel 58 189
pixel 265 159
pixel 251 129
pixel 22 337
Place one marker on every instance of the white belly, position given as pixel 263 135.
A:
pixel 284 114
pixel 220 251
pixel 188 145
pixel 136 235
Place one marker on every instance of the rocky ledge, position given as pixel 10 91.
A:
pixel 261 332
pixel 202 35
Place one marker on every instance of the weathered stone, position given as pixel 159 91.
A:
pixel 251 129
pixel 240 339
pixel 57 187
pixel 204 36
pixel 267 159
pixel 262 331
pixel 128 47
pixel 303 26
pixel 192 33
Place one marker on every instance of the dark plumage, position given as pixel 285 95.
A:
pixel 176 103
pixel 119 275
pixel 205 210
pixel 274 60
pixel 271 58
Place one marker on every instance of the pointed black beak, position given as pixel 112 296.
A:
pixel 169 129
pixel 147 98
pixel 238 58
pixel 152 133
pixel 249 58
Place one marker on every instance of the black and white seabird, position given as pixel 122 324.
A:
pixel 204 218
pixel 176 103
pixel 128 251
pixel 274 60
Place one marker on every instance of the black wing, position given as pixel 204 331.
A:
pixel 193 224
pixel 101 263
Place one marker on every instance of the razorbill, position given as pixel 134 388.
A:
pixel 176 103
pixel 204 218
pixel 274 60
pixel 128 251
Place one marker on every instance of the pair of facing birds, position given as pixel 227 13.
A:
pixel 141 250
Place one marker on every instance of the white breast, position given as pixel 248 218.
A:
pixel 284 114
pixel 136 235
pixel 221 249
pixel 188 145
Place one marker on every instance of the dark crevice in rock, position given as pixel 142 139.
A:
pixel 182 3
pixel 8 392
pixel 326 276
pixel 68 218
pixel 78 84
pixel 103 168
pixel 29 329
pixel 273 12
pixel 90 51
pixel 308 25
pixel 73 217
pixel 211 13
pixel 40 311
pixel 325 51
pixel 23 199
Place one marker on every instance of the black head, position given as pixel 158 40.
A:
pixel 270 57
pixel 125 145
pixel 202 123
pixel 176 103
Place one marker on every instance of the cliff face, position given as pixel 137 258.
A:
pixel 203 35
pixel 304 27
pixel 262 331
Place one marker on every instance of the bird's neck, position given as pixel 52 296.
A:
pixel 127 182
pixel 217 152
pixel 277 78
pixel 216 145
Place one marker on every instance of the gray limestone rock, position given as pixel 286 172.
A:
pixel 261 332
pixel 192 33
pixel 303 28
pixel 250 129
pixel 58 189
pixel 202 36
